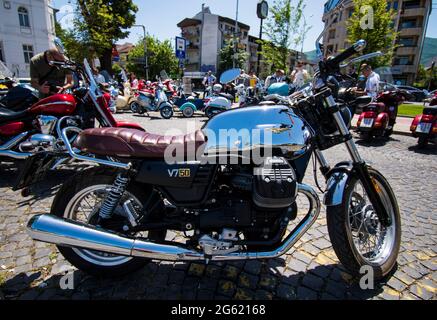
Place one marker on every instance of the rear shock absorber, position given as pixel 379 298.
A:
pixel 113 197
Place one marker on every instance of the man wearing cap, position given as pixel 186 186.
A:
pixel 278 77
pixel 48 79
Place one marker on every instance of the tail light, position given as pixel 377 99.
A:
pixel 427 118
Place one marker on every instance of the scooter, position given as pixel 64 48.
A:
pixel 378 118
pixel 424 126
pixel 158 101
pixel 220 102
pixel 188 105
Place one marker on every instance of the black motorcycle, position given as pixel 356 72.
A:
pixel 229 199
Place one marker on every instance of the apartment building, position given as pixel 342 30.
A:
pixel 207 34
pixel 410 20
pixel 27 27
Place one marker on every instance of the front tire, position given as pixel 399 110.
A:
pixel 97 263
pixel 354 221
pixel 188 112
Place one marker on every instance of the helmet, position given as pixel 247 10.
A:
pixel 217 88
pixel 148 83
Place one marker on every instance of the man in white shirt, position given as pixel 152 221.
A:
pixel 373 80
pixel 299 76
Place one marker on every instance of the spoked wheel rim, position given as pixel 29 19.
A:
pixel 84 207
pixel 370 240
pixel 134 107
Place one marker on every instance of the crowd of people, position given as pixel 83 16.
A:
pixel 50 80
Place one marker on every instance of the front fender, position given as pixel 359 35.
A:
pixel 337 182
pixel 188 105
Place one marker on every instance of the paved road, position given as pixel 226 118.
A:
pixel 30 270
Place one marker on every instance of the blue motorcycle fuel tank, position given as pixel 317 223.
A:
pixel 275 128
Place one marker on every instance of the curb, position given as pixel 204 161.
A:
pixel 399 133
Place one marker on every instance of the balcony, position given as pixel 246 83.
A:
pixel 406 50
pixel 402 69
pixel 410 31
pixel 414 12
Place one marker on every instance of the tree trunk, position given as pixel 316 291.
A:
pixel 106 60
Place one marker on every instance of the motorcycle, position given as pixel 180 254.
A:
pixel 379 118
pixel 146 101
pixel 37 128
pixel 424 126
pixel 112 219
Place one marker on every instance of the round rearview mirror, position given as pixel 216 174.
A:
pixel 230 75
pixel 59 45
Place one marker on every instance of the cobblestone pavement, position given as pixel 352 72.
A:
pixel 32 270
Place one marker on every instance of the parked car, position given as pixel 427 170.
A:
pixel 419 94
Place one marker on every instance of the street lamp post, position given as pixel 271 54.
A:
pixel 146 63
pixel 236 37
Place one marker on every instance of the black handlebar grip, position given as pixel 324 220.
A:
pixel 357 47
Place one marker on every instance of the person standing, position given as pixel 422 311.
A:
pixel 133 81
pixel 46 78
pixel 208 81
pixel 278 77
pixel 300 75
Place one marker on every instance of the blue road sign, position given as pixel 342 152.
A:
pixel 181 48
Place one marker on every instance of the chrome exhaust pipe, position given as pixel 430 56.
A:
pixel 15 155
pixel 14 141
pixel 63 232
pixel 6 152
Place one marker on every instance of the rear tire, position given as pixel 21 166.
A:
pixel 423 142
pixel 167 112
pixel 340 229
pixel 188 112
pixel 69 190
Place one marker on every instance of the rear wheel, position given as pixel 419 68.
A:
pixel 80 200
pixel 357 236
pixel 166 112
pixel 423 142
pixel 188 112
pixel 211 112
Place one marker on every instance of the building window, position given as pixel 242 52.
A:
pixel 23 16
pixel 407 42
pixel 403 61
pixel 2 57
pixel 28 52
pixel 410 23
pixel 331 34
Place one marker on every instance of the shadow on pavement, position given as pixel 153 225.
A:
pixel 233 281
pixel 430 149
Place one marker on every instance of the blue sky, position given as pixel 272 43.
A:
pixel 161 17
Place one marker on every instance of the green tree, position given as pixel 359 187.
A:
pixel 372 22
pixel 227 54
pixel 426 78
pixel 102 22
pixel 161 56
pixel 283 31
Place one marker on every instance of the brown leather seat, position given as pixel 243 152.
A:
pixel 133 143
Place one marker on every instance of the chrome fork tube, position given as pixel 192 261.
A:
pixel 344 130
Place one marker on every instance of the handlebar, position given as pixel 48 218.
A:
pixel 356 48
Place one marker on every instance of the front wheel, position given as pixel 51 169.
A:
pixel 134 107
pixel 357 236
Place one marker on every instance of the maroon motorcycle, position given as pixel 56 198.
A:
pixel 37 125
pixel 378 118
